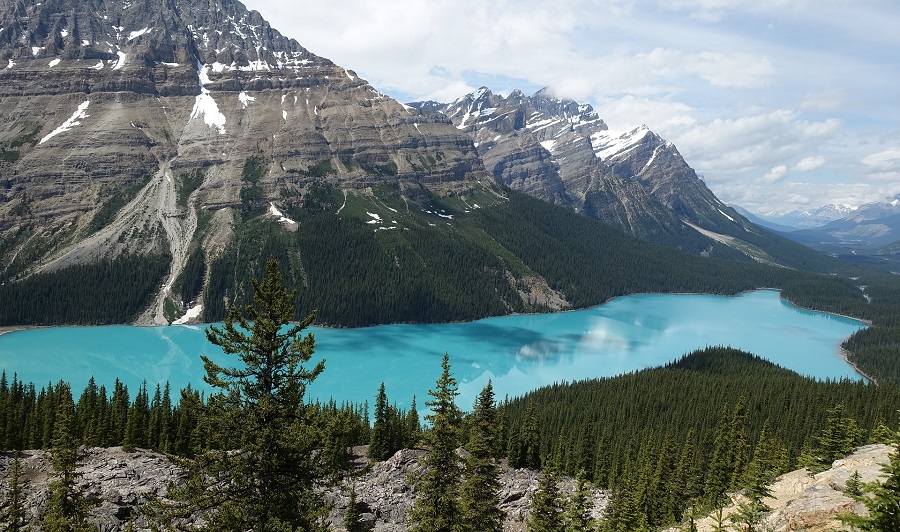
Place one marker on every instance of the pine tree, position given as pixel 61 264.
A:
pixel 546 505
pixel 837 439
pixel 853 487
pixel 14 516
pixel 718 476
pixel 351 516
pixel 882 499
pixel 66 509
pixel 156 420
pixel 411 423
pixel 480 490
pixel 380 444
pixel 437 491
pixel 525 443
pixel 266 484
pixel 577 517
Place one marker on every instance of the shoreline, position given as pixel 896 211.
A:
pixel 845 355
pixel 6 329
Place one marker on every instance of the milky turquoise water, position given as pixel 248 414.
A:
pixel 519 353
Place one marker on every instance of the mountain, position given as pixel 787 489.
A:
pixel 808 218
pixel 872 224
pixel 561 151
pixel 155 154
pixel 152 128
pixel 867 234
pixel 760 221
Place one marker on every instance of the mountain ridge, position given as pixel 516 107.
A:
pixel 193 134
pixel 561 151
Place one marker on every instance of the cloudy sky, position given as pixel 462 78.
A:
pixel 778 104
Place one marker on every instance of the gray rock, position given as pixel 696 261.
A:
pixel 118 483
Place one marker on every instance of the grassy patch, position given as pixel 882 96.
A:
pixel 251 194
pixel 188 183
pixel 170 312
pixel 27 137
pixel 321 169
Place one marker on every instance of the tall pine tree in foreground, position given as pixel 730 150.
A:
pixel 480 491
pixel 66 509
pixel 380 444
pixel 15 514
pixel 546 505
pixel 437 491
pixel 264 482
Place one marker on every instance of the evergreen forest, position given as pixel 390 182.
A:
pixel 445 262
pixel 666 442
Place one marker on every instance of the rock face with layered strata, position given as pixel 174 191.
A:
pixel 125 101
pixel 563 152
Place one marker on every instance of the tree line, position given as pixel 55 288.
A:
pixel 667 442
pixel 672 440
pixel 460 269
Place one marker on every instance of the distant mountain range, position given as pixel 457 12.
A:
pixel 869 233
pixel 807 218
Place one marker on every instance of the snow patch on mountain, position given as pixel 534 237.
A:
pixel 135 34
pixel 73 121
pixel 121 61
pixel 273 210
pixel 206 106
pixel 192 313
pixel 609 144
pixel 245 99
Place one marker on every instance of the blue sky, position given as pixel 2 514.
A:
pixel 778 104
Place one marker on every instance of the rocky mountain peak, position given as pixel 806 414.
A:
pixel 561 151
pixel 112 108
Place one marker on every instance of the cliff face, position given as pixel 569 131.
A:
pixel 563 152
pixel 127 102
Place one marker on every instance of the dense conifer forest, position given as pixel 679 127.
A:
pixel 683 435
pixel 462 265
pixel 667 442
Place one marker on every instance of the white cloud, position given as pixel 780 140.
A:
pixel 775 175
pixel 732 145
pixel 740 86
pixel 735 70
pixel 808 164
pixel 884 160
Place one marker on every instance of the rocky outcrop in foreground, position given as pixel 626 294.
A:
pixel 120 482
pixel 802 500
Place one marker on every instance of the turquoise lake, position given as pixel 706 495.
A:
pixel 520 353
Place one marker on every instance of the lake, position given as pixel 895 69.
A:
pixel 519 353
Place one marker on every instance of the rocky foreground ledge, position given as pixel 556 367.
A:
pixel 811 502
pixel 122 481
